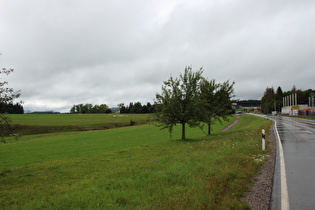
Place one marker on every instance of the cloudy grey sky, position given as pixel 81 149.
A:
pixel 67 52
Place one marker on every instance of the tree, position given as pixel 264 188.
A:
pixel 224 103
pixel 73 109
pixel 216 101
pixel 136 108
pixel 208 98
pixel 96 109
pixel 7 96
pixel 144 109
pixel 278 98
pixel 103 108
pixel 11 108
pixel 122 108
pixel 268 100
pixel 179 101
pixel 150 107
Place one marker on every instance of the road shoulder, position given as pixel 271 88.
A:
pixel 259 196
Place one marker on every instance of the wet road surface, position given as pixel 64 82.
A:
pixel 298 142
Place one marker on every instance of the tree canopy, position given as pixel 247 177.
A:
pixel 216 101
pixel 89 109
pixel 191 99
pixel 136 108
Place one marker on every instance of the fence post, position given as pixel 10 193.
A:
pixel 263 141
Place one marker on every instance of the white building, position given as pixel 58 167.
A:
pixel 291 106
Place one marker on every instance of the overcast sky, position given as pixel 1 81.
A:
pixel 67 52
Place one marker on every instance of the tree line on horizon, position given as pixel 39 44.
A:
pixel 273 100
pixel 11 108
pixel 136 108
pixel 247 103
pixel 90 109
pixel 133 108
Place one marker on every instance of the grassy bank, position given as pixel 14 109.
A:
pixel 138 170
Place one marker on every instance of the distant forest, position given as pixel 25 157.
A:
pixel 11 108
pixel 249 103
pixel 136 108
pixel 132 108
pixel 90 109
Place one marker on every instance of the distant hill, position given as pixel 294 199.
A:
pixel 42 112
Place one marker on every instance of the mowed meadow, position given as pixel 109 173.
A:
pixel 50 123
pixel 91 166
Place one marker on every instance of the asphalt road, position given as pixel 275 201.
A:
pixel 298 143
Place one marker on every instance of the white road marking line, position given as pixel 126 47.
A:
pixel 308 132
pixel 284 188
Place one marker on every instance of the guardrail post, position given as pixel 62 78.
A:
pixel 263 141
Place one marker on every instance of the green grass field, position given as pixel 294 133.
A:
pixel 137 167
pixel 50 123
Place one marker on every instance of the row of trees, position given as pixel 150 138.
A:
pixel 89 109
pixel 248 103
pixel 11 108
pixel 273 100
pixel 136 108
pixel 192 99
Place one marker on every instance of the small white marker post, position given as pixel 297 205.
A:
pixel 263 141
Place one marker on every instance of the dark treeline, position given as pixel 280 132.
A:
pixel 90 109
pixel 248 103
pixel 136 108
pixel 132 108
pixel 11 108
pixel 273 100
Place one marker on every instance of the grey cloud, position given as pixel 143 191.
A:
pixel 68 52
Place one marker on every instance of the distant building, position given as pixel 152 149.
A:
pixel 293 108
pixel 234 105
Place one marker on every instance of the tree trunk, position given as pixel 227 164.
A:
pixel 183 131
pixel 209 127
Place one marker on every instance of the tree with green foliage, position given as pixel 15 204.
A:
pixel 90 109
pixel 179 101
pixel 216 101
pixel 136 108
pixel 224 103
pixel 209 102
pixel 122 108
pixel 268 100
pixel 278 98
pixel 7 96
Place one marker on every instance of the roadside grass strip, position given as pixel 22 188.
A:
pixel 139 169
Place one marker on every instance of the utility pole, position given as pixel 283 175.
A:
pixel 311 100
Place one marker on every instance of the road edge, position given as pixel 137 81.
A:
pixel 283 178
